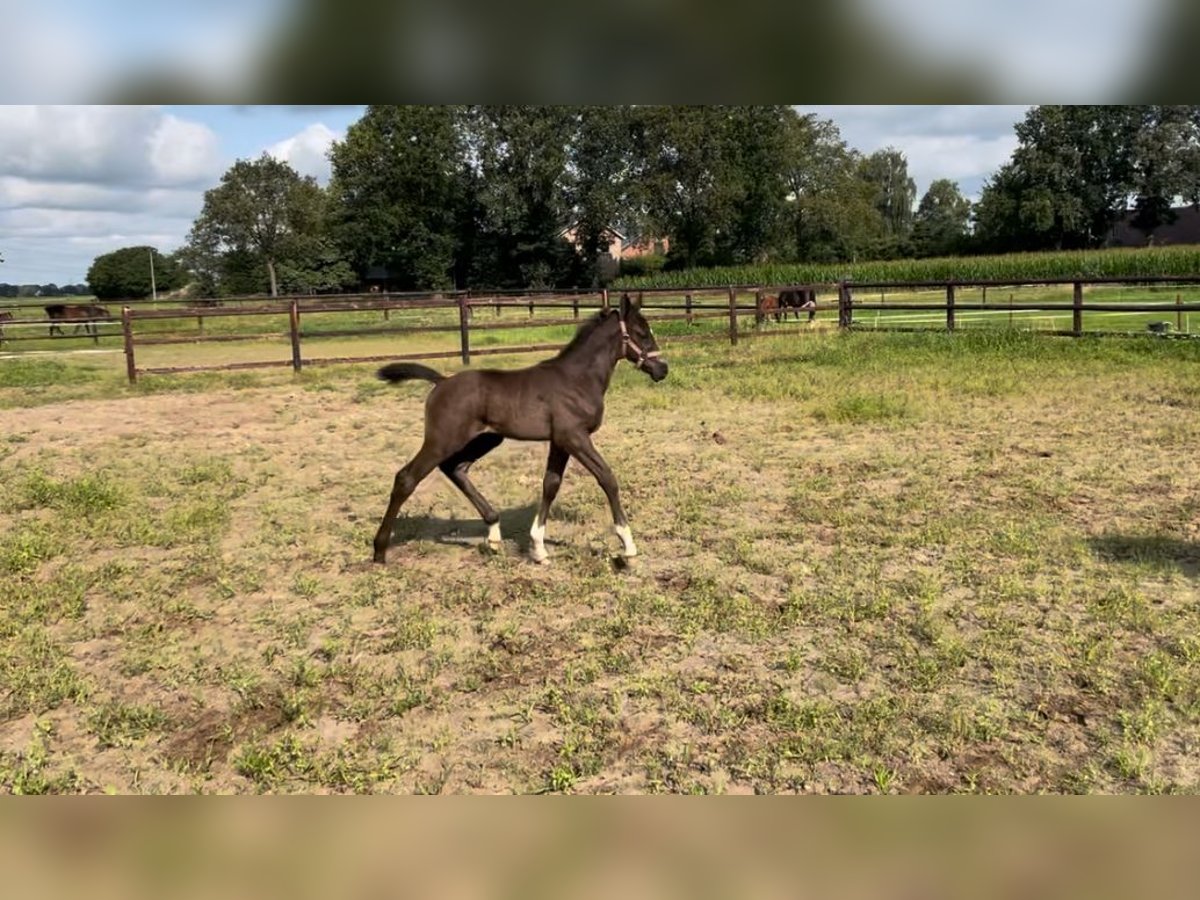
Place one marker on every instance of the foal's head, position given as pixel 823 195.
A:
pixel 640 347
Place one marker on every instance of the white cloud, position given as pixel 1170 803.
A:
pixel 26 194
pixel 307 152
pixel 76 181
pixel 135 146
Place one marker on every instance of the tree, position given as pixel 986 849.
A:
pixel 397 192
pixel 942 221
pixel 757 148
pixel 830 207
pixel 1077 169
pixel 686 173
pixel 522 195
pixel 125 273
pixel 602 189
pixel 261 207
pixel 894 193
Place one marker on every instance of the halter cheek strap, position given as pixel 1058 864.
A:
pixel 628 341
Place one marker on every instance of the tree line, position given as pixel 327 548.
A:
pixel 436 197
pixel 43 290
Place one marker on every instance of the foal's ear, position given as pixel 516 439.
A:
pixel 628 304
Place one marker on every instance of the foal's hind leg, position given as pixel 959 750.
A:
pixel 406 482
pixel 455 468
pixel 556 462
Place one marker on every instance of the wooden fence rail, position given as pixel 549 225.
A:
pixel 735 303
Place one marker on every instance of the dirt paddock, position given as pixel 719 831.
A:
pixel 877 564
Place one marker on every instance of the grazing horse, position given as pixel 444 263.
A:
pixel 796 300
pixel 560 400
pixel 85 315
pixel 4 317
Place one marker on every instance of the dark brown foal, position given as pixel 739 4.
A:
pixel 560 400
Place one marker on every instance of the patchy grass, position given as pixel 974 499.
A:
pixel 872 564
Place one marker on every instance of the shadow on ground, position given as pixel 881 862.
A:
pixel 514 526
pixel 1158 550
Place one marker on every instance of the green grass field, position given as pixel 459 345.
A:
pixel 871 563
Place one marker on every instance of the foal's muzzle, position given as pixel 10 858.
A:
pixel 655 368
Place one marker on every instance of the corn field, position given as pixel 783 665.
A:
pixel 1117 262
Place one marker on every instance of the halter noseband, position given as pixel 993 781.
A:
pixel 627 341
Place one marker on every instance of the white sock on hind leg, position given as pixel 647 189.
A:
pixel 537 534
pixel 628 547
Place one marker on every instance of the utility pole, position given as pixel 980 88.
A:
pixel 153 289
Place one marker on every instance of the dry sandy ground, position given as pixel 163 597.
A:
pixel 994 593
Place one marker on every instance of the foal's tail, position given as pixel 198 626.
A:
pixel 404 371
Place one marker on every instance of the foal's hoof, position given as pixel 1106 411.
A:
pixel 621 562
pixel 493 546
pixel 542 559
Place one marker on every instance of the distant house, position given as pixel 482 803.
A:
pixel 1184 230
pixel 618 245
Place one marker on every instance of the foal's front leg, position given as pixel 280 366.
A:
pixel 583 450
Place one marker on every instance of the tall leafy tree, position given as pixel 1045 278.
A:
pixel 520 156
pixel 894 191
pixel 125 273
pixel 1078 169
pixel 262 207
pixel 757 148
pixel 686 174
pixel 397 193
pixel 942 221
pixel 603 191
pixel 830 207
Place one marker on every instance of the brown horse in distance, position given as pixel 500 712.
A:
pixel 560 400
pixel 85 315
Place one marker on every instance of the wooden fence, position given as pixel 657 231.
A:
pixel 951 305
pixel 697 305
pixel 731 303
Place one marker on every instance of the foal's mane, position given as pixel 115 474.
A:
pixel 585 331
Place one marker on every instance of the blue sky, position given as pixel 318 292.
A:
pixel 246 130
pixel 78 181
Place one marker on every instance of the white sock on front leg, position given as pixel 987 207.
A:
pixel 494 539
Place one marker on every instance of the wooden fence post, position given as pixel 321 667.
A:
pixel 575 305
pixel 687 306
pixel 127 332
pixel 294 327
pixel 464 330
pixel 604 299
pixel 845 306
pixel 733 335
pixel 950 307
pixel 1178 312
pixel 758 313
pixel 1077 312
